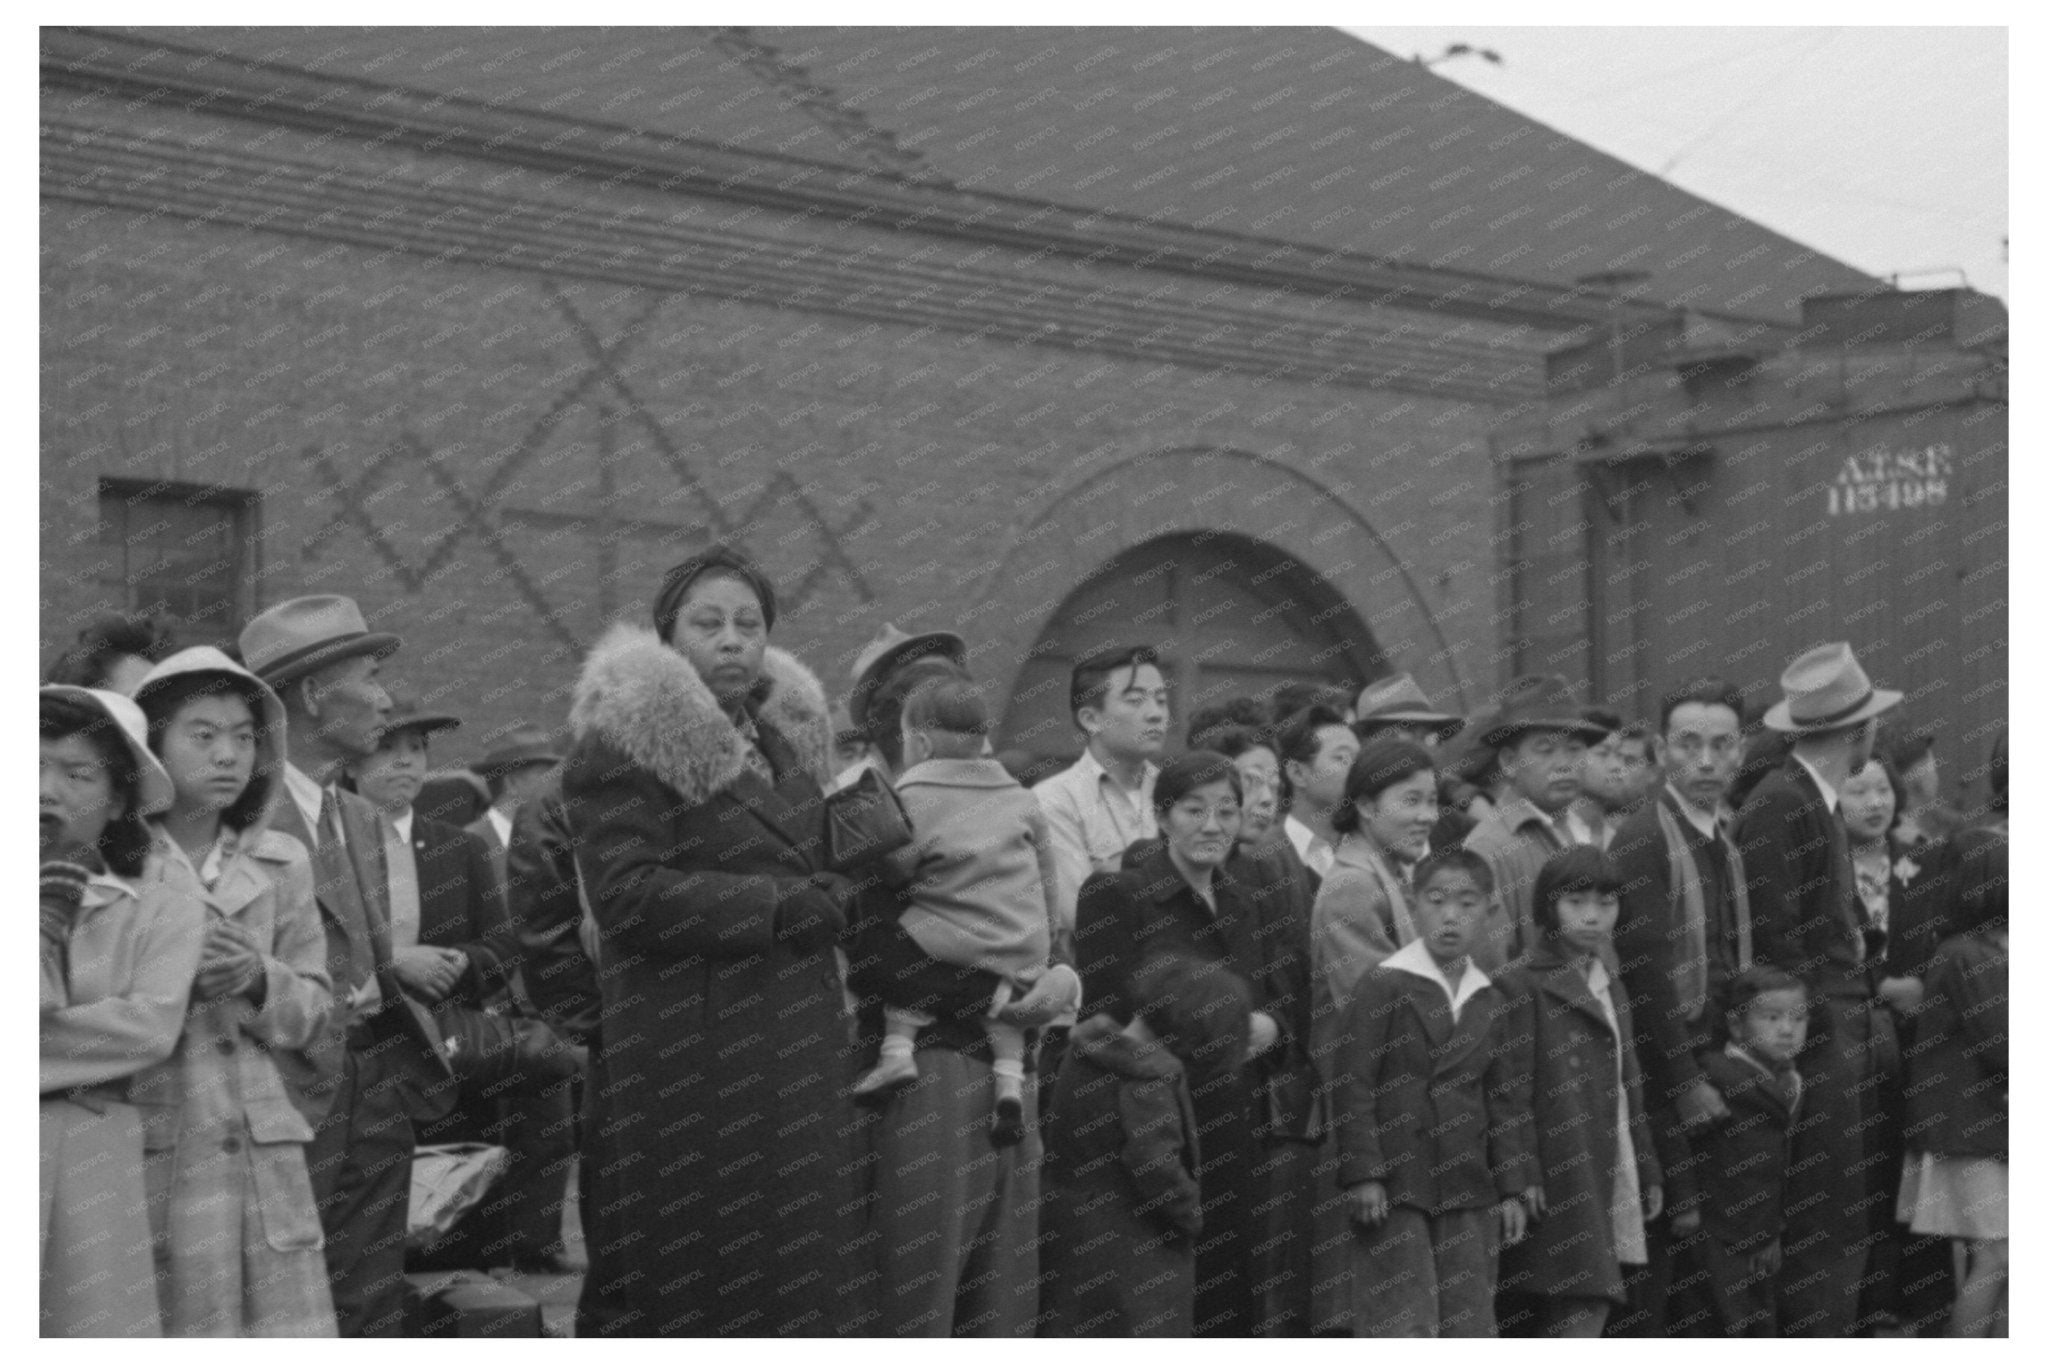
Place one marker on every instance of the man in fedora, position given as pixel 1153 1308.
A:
pixel 371 1074
pixel 515 769
pixel 1396 706
pixel 1807 919
pixel 1539 739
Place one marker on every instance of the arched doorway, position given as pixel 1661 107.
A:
pixel 1230 616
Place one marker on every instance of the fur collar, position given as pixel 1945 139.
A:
pixel 644 699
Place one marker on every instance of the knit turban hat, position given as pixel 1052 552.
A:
pixel 719 559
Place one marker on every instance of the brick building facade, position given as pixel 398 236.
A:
pixel 334 312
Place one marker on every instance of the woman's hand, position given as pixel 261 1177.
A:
pixel 1054 992
pixel 1265 1035
pixel 429 972
pixel 1653 1202
pixel 1685 1224
pixel 1514 1221
pixel 1369 1203
pixel 1533 1200
pixel 1702 1104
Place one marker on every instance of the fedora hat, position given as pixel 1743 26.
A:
pixel 1538 702
pixel 154 793
pixel 294 637
pixel 1826 688
pixel 890 649
pixel 523 745
pixel 408 715
pixel 1397 700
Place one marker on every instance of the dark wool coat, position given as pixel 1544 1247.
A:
pixel 1426 1104
pixel 1122 918
pixel 1740 1163
pixel 727 1196
pixel 1122 1200
pixel 1956 1078
pixel 1566 1059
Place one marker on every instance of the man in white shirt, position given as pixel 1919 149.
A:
pixel 1101 805
pixel 1316 751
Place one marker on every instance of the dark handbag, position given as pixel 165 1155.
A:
pixel 863 821
pixel 499 1044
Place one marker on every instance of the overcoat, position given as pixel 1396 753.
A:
pixel 1426 1099
pixel 238 1241
pixel 462 905
pixel 1122 1197
pixel 727 1198
pixel 1571 1064
pixel 115 981
pixel 1123 918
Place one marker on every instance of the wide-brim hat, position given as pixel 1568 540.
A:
pixel 521 746
pixel 294 637
pixel 1826 688
pixel 1397 700
pixel 889 650
pixel 154 792
pixel 1538 702
pixel 407 715
pixel 204 659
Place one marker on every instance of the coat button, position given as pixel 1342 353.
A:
pixel 231 1145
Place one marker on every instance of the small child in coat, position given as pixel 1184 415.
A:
pixel 1432 1147
pixel 1599 1180
pixel 979 875
pixel 1123 1199
pixel 1731 1245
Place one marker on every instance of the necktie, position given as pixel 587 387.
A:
pixel 330 818
pixel 403 876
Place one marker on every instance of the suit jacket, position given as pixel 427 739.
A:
pixel 1802 885
pixel 351 890
pixel 462 906
pixel 1648 937
pixel 1516 840
pixel 496 853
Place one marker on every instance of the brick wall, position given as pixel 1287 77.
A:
pixel 494 463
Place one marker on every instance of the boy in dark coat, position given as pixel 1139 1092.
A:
pixel 1731 1261
pixel 1431 1147
pixel 1123 1201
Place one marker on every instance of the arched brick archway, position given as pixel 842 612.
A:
pixel 1201 503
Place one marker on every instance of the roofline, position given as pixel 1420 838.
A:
pixel 93 59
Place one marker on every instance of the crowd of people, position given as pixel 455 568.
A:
pixel 1357 1017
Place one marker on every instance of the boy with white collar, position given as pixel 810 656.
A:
pixel 1432 1148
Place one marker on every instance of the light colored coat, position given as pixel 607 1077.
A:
pixel 113 995
pixel 238 1243
pixel 979 869
pixel 1360 919
pixel 237 1235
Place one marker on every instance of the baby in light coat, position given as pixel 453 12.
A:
pixel 979 875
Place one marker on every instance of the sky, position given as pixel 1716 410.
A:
pixel 1885 148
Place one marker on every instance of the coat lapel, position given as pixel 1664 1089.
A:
pixel 1564 982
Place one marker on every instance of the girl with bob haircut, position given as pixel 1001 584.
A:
pixel 120 944
pixel 1597 1176
pixel 236 1229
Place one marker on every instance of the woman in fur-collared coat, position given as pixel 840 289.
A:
pixel 726 1196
